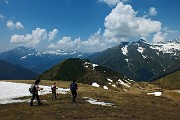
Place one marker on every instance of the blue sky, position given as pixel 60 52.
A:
pixel 86 25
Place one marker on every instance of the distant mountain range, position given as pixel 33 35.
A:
pixel 140 60
pixel 10 72
pixel 38 61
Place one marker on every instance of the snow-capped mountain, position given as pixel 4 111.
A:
pixel 141 60
pixel 38 61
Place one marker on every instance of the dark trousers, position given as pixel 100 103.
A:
pixel 53 95
pixel 37 98
pixel 74 95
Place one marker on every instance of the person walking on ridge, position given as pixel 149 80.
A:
pixel 73 88
pixel 53 88
pixel 36 88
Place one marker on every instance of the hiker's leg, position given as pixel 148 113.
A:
pixel 37 98
pixel 75 95
pixel 52 95
pixel 55 96
pixel 72 95
pixel 32 98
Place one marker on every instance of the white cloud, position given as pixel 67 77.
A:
pixel 19 25
pixel 152 11
pixel 93 44
pixel 159 37
pixel 30 39
pixel 52 34
pixel 110 2
pixel 11 25
pixel 122 23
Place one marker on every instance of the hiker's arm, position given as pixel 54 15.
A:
pixel 39 89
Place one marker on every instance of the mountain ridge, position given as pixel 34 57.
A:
pixel 141 60
pixel 86 72
pixel 38 61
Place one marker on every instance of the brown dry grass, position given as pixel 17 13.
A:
pixel 127 106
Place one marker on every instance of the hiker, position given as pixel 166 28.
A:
pixel 53 88
pixel 73 88
pixel 35 92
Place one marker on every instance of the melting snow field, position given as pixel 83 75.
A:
pixel 10 91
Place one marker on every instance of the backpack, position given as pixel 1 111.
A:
pixel 73 86
pixel 53 88
pixel 32 89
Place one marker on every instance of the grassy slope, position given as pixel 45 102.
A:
pixel 74 68
pixel 127 106
pixel 171 81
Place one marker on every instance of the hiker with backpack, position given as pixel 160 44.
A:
pixel 34 91
pixel 53 89
pixel 73 88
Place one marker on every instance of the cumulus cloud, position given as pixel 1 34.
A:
pixel 33 39
pixel 123 23
pixel 152 11
pixel 159 37
pixel 110 2
pixel 30 39
pixel 11 25
pixel 19 25
pixel 52 34
pixel 93 44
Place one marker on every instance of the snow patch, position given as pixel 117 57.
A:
pixel 94 84
pixel 109 80
pixel 127 60
pixel 11 90
pixel 95 102
pixel 166 47
pixel 124 50
pixel 125 90
pixel 140 49
pixel 122 83
pixel 105 87
pixel 144 56
pixel 155 93
pixel 94 65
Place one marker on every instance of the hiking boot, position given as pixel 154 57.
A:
pixel 40 104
